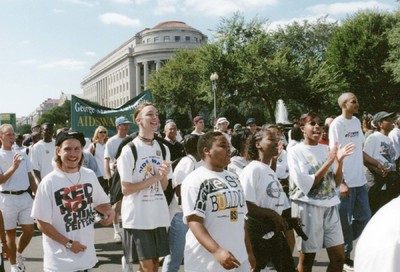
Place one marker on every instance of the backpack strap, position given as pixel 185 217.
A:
pixel 134 152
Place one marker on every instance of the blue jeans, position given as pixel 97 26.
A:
pixel 176 239
pixel 354 215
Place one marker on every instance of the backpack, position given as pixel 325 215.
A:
pixel 115 188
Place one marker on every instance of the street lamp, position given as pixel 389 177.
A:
pixel 214 78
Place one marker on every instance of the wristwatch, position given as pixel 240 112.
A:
pixel 69 244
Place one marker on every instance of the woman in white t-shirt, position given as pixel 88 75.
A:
pixel 313 184
pixel 266 201
pixel 97 148
pixel 144 210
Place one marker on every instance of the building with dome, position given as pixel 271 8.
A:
pixel 125 72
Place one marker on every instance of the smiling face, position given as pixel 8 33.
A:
pixel 148 120
pixel 70 155
pixel 268 145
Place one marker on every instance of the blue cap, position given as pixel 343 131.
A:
pixel 122 120
pixel 250 121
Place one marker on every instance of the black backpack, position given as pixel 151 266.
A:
pixel 115 189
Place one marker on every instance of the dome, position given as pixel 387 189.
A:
pixel 172 24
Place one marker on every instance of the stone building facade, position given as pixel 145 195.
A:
pixel 125 72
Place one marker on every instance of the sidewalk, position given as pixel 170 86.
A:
pixel 110 253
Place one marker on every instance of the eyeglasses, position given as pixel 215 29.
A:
pixel 313 123
pixel 352 101
pixel 103 132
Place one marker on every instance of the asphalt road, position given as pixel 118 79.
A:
pixel 110 253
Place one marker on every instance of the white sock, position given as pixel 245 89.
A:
pixel 116 228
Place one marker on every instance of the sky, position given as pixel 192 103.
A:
pixel 48 46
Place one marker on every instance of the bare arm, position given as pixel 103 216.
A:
pixel 32 182
pixel 223 256
pixel 37 175
pixel 249 248
pixel 53 234
pixel 107 169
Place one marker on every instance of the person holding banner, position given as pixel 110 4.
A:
pixel 122 126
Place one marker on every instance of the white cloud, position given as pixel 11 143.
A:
pixel 342 8
pixel 90 53
pixel 69 64
pixel 311 19
pixel 88 4
pixel 118 19
pixel 25 42
pixel 56 10
pixel 210 7
pixel 28 61
pixel 126 2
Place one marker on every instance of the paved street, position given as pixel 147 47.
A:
pixel 109 254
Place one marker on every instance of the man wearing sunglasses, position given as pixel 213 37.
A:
pixel 354 205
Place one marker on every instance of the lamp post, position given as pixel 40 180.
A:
pixel 214 78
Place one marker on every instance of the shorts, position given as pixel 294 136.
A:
pixel 321 225
pixel 16 209
pixel 141 244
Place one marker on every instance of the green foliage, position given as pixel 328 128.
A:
pixel 23 129
pixel 60 116
pixel 359 50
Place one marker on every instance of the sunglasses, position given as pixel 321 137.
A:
pixel 103 132
pixel 313 123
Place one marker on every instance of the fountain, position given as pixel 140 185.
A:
pixel 281 114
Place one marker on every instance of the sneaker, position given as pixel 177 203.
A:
pixel 348 265
pixel 16 268
pixel 126 267
pixel 117 237
pixel 20 262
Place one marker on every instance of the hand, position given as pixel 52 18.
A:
pixel 163 169
pixel 345 151
pixel 344 190
pixel 382 170
pixel 226 258
pixel 108 217
pixel 77 247
pixel 17 160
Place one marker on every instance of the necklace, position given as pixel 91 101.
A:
pixel 79 179
pixel 146 140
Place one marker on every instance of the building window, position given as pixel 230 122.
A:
pixel 196 40
pixel 187 39
pixel 177 38
pixel 156 39
pixel 148 40
pixel 166 38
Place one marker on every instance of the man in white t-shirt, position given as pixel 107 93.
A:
pixel 345 129
pixel 16 202
pixel 122 125
pixel 64 208
pixel 43 153
pixel 214 207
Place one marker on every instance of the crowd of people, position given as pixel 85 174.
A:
pixel 228 199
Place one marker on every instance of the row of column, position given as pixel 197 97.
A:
pixel 145 65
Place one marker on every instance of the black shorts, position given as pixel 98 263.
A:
pixel 145 244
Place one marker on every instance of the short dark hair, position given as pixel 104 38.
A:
pixel 206 140
pixel 190 144
pixel 251 149
pixel 239 140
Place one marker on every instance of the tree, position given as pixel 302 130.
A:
pixel 179 87
pixel 359 50
pixel 60 116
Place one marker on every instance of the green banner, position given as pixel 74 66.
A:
pixel 86 116
pixel 8 118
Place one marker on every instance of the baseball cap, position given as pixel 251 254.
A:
pixel 382 115
pixel 65 135
pixel 250 121
pixel 122 120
